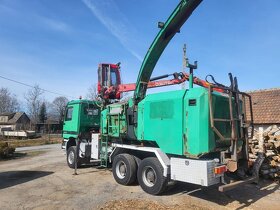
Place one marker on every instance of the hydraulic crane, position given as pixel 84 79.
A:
pixel 110 86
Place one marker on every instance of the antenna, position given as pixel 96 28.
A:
pixel 184 64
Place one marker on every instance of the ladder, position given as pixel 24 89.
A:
pixel 105 138
pixel 104 151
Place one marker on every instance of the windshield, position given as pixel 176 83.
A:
pixel 112 73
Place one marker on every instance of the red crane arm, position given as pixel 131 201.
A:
pixel 161 83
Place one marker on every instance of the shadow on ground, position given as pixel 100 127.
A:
pixel 18 155
pixel 12 178
pixel 15 155
pixel 245 195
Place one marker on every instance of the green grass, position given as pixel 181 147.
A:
pixel 7 147
pixel 33 142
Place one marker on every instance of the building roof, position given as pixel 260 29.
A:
pixel 266 106
pixel 7 113
pixel 15 117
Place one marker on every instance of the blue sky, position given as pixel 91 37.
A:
pixel 58 44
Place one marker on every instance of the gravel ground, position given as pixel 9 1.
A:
pixel 45 182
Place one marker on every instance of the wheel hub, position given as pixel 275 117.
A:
pixel 121 169
pixel 149 176
pixel 71 157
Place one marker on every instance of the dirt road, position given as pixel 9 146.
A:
pixel 45 182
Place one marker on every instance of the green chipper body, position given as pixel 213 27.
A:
pixel 176 121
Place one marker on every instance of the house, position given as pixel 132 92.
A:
pixel 51 126
pixel 14 121
pixel 266 107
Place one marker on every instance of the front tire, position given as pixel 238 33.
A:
pixel 124 169
pixel 71 156
pixel 150 176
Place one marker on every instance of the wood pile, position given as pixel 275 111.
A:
pixel 268 142
pixel 6 150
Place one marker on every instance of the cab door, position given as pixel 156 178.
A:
pixel 71 122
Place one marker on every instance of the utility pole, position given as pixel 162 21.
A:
pixel 184 64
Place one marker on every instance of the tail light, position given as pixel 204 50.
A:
pixel 220 169
pixel 99 88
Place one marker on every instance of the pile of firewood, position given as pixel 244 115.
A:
pixel 268 142
pixel 6 150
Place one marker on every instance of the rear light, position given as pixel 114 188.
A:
pixel 99 88
pixel 220 169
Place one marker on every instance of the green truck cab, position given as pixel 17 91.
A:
pixel 82 117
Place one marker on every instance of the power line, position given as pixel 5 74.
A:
pixel 56 93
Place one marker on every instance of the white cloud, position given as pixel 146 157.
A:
pixel 120 28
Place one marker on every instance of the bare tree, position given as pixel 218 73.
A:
pixel 8 101
pixel 92 92
pixel 34 101
pixel 59 104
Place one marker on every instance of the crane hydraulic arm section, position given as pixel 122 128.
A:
pixel 168 29
pixel 110 87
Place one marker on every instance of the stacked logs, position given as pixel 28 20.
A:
pixel 268 142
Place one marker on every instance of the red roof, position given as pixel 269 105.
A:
pixel 266 106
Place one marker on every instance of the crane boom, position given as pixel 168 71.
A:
pixel 116 91
pixel 173 24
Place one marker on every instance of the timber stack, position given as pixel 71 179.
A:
pixel 268 142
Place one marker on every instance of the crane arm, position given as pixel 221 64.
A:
pixel 178 79
pixel 173 24
pixel 175 81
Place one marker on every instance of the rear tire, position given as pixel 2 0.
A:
pixel 71 156
pixel 124 169
pixel 150 176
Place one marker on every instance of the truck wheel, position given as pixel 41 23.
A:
pixel 71 155
pixel 124 169
pixel 150 176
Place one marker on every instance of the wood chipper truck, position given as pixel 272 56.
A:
pixel 198 135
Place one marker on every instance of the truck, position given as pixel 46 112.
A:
pixel 197 135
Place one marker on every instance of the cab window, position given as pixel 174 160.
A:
pixel 114 78
pixel 69 113
pixel 90 110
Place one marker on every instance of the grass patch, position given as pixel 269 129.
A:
pixel 34 142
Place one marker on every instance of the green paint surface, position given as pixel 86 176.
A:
pixel 160 119
pixel 199 137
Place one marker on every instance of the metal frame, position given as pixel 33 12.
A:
pixel 233 93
